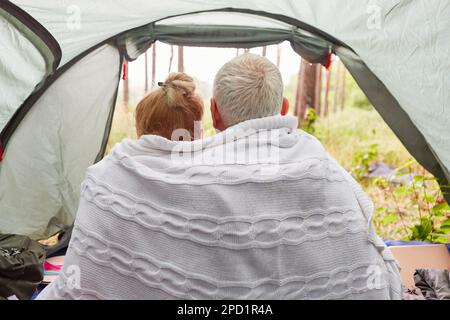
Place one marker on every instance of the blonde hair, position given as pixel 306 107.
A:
pixel 248 87
pixel 174 105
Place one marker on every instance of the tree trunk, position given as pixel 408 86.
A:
pixel 318 100
pixel 154 65
pixel 337 86
pixel 344 75
pixel 171 58
pixel 297 93
pixel 327 91
pixel 126 93
pixel 180 59
pixel 146 71
pixel 278 56
pixel 306 89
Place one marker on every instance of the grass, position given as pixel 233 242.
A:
pixel 123 126
pixel 345 132
pixel 354 136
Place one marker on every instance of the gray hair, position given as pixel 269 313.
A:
pixel 248 87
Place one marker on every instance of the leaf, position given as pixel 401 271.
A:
pixel 401 190
pixel 427 226
pixel 441 207
pixel 422 230
pixel 416 232
pixel 445 225
pixel 401 174
pixel 428 198
pixel 435 234
pixel 440 238
pixel 389 219
pixel 419 178
pixel 406 165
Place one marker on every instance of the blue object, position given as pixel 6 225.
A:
pixel 38 291
pixel 397 243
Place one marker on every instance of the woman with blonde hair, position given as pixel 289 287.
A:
pixel 173 106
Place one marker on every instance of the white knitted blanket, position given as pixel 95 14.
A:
pixel 259 211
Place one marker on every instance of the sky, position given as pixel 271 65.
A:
pixel 202 64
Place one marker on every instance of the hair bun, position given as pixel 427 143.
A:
pixel 178 87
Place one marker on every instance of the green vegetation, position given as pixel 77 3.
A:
pixel 353 131
pixel 357 137
pixel 123 126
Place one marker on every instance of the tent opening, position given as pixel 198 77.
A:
pixel 329 104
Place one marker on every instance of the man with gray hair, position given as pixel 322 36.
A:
pixel 152 227
pixel 248 87
pixel 320 218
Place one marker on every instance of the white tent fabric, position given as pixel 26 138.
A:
pixel 18 78
pixel 404 43
pixel 228 19
pixel 56 142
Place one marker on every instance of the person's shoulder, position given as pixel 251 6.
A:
pixel 309 143
pixel 107 162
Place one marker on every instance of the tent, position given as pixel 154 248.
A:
pixel 60 66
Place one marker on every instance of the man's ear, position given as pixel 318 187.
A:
pixel 284 107
pixel 218 122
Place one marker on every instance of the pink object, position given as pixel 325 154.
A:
pixel 51 267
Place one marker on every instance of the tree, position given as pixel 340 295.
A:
pixel 180 59
pixel 126 94
pixel 337 86
pixel 327 91
pixel 318 96
pixel 278 56
pixel 146 71
pixel 171 58
pixel 343 84
pixel 306 89
pixel 154 65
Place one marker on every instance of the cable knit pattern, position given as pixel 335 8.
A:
pixel 292 225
